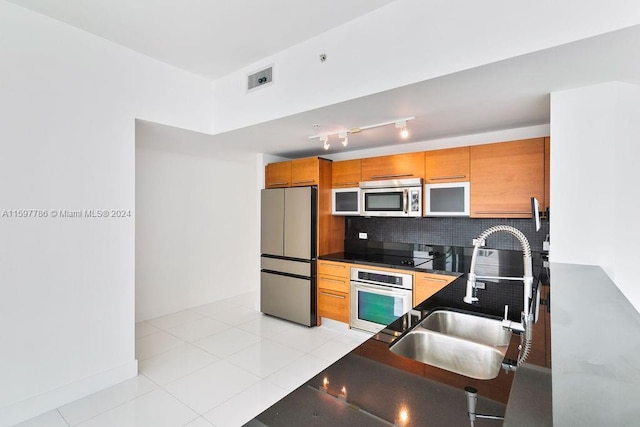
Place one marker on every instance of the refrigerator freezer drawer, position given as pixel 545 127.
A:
pixel 286 266
pixel 287 297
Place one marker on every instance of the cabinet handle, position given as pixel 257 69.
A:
pixel 332 295
pixel 346 183
pixel 435 279
pixel 332 280
pixel 398 175
pixel 436 178
pixel 277 183
pixel 304 181
pixel 332 265
pixel 502 212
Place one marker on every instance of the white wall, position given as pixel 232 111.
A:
pixel 594 181
pixel 627 183
pixel 409 41
pixel 68 101
pixel 196 228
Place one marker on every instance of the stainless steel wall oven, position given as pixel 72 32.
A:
pixel 378 298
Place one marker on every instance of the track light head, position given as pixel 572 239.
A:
pixel 325 140
pixel 402 125
pixel 345 138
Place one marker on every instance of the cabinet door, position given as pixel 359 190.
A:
pixel 346 173
pixel 410 165
pixel 332 268
pixel 427 284
pixel 277 175
pixel 333 283
pixel 333 305
pixel 305 172
pixel 505 176
pixel 450 165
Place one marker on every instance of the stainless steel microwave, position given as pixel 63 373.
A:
pixel 345 201
pixel 446 199
pixel 395 198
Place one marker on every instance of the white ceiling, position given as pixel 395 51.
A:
pixel 207 37
pixel 504 95
pixel 214 37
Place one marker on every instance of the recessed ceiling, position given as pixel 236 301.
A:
pixel 207 37
pixel 215 37
pixel 504 95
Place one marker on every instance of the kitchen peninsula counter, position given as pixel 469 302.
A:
pixel 380 385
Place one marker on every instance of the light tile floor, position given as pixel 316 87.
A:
pixel 219 364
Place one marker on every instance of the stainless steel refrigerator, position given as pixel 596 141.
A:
pixel 288 247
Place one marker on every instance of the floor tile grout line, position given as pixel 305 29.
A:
pixel 121 404
pixel 162 352
pixel 193 409
pixel 240 367
pixel 335 334
pixel 242 391
pixel 176 325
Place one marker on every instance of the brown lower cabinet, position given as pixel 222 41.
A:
pixel 333 305
pixel 427 284
pixel 333 290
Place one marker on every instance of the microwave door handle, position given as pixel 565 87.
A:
pixel 405 200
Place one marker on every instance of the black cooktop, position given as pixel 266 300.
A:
pixel 407 260
pixel 390 253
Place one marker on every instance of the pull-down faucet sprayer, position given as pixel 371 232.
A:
pixel 527 280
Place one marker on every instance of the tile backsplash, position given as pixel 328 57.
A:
pixel 454 231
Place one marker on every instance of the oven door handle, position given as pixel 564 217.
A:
pixel 378 289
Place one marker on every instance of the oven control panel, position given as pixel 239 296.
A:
pixel 385 278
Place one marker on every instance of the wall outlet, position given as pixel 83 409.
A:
pixel 362 235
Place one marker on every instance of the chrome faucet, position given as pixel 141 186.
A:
pixel 527 279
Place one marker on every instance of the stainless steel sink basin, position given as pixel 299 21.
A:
pixel 468 326
pixel 466 344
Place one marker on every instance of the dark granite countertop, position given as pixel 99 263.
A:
pixel 381 384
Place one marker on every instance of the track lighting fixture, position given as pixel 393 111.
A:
pixel 325 140
pixel 402 125
pixel 345 138
pixel 344 134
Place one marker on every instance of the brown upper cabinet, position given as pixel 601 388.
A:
pixel 277 175
pixel 410 165
pixel 294 173
pixel 504 177
pixel 305 172
pixel 346 173
pixel 448 165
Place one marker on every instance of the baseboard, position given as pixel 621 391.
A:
pixel 45 402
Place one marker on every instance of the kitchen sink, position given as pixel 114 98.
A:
pixel 466 344
pixel 481 330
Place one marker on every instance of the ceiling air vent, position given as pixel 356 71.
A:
pixel 261 78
